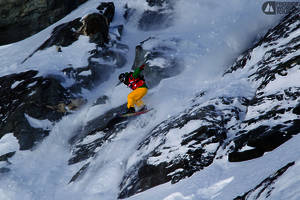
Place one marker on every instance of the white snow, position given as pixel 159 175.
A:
pixel 36 123
pixel 178 196
pixel 213 191
pixel 8 143
pixel 224 180
pixel 283 82
pixel 15 84
pixel 85 73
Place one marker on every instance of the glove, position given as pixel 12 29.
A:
pixel 142 66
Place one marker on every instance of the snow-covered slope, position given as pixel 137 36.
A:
pixel 60 137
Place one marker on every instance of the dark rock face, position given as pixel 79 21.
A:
pixel 102 62
pixel 158 17
pixel 95 25
pixel 6 156
pixel 159 55
pixel 265 188
pixel 63 35
pixel 199 132
pixel 4 159
pixel 18 18
pixel 107 9
pixel 26 94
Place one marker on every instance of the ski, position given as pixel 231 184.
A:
pixel 136 113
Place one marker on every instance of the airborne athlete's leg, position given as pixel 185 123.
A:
pixel 135 97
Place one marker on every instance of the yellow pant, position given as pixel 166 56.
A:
pixel 135 97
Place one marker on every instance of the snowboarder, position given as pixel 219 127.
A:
pixel 136 82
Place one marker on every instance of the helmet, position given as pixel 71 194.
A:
pixel 122 77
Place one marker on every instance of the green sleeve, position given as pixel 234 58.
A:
pixel 136 72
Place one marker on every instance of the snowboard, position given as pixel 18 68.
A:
pixel 136 113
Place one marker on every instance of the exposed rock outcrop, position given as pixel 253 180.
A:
pixel 158 16
pixel 160 57
pixel 107 9
pixel 26 97
pixel 19 18
pixel 271 117
pixel 94 25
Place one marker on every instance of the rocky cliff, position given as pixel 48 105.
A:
pixel 20 19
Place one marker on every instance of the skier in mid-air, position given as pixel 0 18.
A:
pixel 136 82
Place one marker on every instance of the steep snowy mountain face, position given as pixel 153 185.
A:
pixel 273 113
pixel 189 142
pixel 221 127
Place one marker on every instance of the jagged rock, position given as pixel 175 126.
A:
pixel 63 35
pixel 73 104
pixel 6 156
pixel 128 12
pixel 157 2
pixel 245 155
pixel 160 15
pixel 102 63
pixel 296 110
pixel 265 188
pixel 95 26
pixel 272 116
pixel 18 18
pixel 159 56
pixel 108 10
pixel 80 173
pixel 149 20
pixel 26 95
pixel 199 132
pixel 159 18
pixel 101 100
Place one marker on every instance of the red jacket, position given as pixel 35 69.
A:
pixel 134 80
